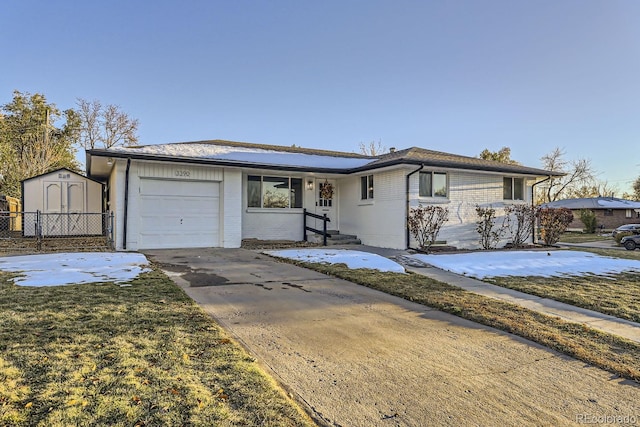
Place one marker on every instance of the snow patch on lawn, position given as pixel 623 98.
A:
pixel 73 268
pixel 529 263
pixel 353 259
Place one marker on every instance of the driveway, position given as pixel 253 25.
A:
pixel 358 357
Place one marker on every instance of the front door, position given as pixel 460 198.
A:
pixel 327 202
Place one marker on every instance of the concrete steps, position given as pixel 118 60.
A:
pixel 335 238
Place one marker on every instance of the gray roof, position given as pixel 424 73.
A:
pixel 593 203
pixel 232 153
pixel 422 156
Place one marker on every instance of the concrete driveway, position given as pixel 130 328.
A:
pixel 358 357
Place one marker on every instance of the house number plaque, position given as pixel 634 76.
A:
pixel 183 173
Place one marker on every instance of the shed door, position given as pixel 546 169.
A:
pixel 179 214
pixel 64 208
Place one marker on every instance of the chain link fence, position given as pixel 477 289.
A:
pixel 34 232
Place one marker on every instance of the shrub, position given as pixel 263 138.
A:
pixel 425 222
pixel 522 228
pixel 588 218
pixel 553 222
pixel 490 235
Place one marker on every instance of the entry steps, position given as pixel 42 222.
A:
pixel 335 238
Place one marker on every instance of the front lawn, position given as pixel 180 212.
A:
pixel 139 355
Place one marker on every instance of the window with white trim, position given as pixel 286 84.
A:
pixel 274 192
pixel 628 213
pixel 433 184
pixel 366 187
pixel 513 188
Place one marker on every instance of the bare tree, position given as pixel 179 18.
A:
pixel 373 148
pixel 597 189
pixel 577 173
pixel 89 113
pixel 105 127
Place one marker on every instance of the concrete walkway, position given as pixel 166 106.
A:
pixel 602 322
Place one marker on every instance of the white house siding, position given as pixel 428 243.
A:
pixel 274 224
pixel 231 206
pixel 466 191
pixel 380 221
pixel 175 172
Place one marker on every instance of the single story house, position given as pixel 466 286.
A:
pixel 217 193
pixel 610 212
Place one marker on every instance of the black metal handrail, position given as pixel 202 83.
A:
pixel 324 219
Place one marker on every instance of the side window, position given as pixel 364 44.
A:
pixel 432 184
pixel 513 188
pixel 366 187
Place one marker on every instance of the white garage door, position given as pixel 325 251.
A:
pixel 179 214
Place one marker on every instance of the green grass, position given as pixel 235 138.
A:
pixel 127 356
pixel 606 351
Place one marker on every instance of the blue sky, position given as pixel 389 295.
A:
pixel 455 76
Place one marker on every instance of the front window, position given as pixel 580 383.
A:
pixel 366 187
pixel 274 192
pixel 513 188
pixel 433 184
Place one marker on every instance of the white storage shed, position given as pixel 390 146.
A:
pixel 66 203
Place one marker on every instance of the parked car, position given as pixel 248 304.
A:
pixel 633 228
pixel 631 242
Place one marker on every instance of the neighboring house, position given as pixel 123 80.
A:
pixel 610 212
pixel 216 193
pixel 67 203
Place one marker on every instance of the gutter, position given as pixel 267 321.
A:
pixel 408 235
pixel 533 192
pixel 126 204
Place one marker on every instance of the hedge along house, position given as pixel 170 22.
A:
pixel 217 193
pixel 65 201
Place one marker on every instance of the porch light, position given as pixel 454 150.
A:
pixel 310 184
pixel 109 161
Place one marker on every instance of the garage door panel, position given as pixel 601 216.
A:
pixel 179 214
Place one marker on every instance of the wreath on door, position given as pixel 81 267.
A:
pixel 326 192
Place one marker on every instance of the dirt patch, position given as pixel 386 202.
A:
pixel 29 245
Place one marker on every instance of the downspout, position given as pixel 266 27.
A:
pixel 533 194
pixel 126 204
pixel 408 238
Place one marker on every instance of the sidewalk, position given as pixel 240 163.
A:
pixel 602 322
